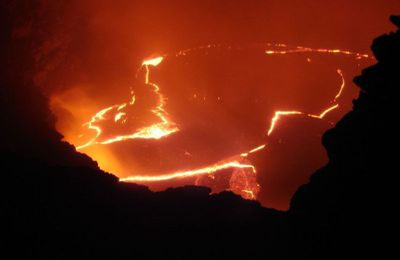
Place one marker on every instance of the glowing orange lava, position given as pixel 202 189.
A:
pixel 156 131
pixel 301 49
pixel 190 173
pixel 153 62
pixel 278 114
pixel 240 181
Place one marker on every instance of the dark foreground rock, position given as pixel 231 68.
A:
pixel 348 205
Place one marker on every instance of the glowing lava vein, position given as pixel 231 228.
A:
pixel 191 173
pixel 278 114
pixel 235 161
pixel 165 126
pixel 156 131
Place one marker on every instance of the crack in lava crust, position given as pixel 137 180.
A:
pixel 166 126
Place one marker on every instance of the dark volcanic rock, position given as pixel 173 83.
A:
pixel 66 212
pixel 337 211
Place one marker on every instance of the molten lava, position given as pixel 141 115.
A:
pixel 190 173
pixel 156 131
pixel 243 178
pixel 301 49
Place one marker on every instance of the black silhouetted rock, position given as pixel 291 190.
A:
pixel 341 209
pixel 68 211
pixel 27 126
pixel 395 20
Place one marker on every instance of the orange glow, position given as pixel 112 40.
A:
pixel 155 131
pixel 339 71
pixel 249 194
pixel 238 180
pixel 301 49
pixel 153 62
pixel 193 88
pixel 276 117
pixel 119 116
pixel 189 173
pixel 259 148
pixel 326 111
pixel 91 125
pixel 278 114
pixel 243 180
